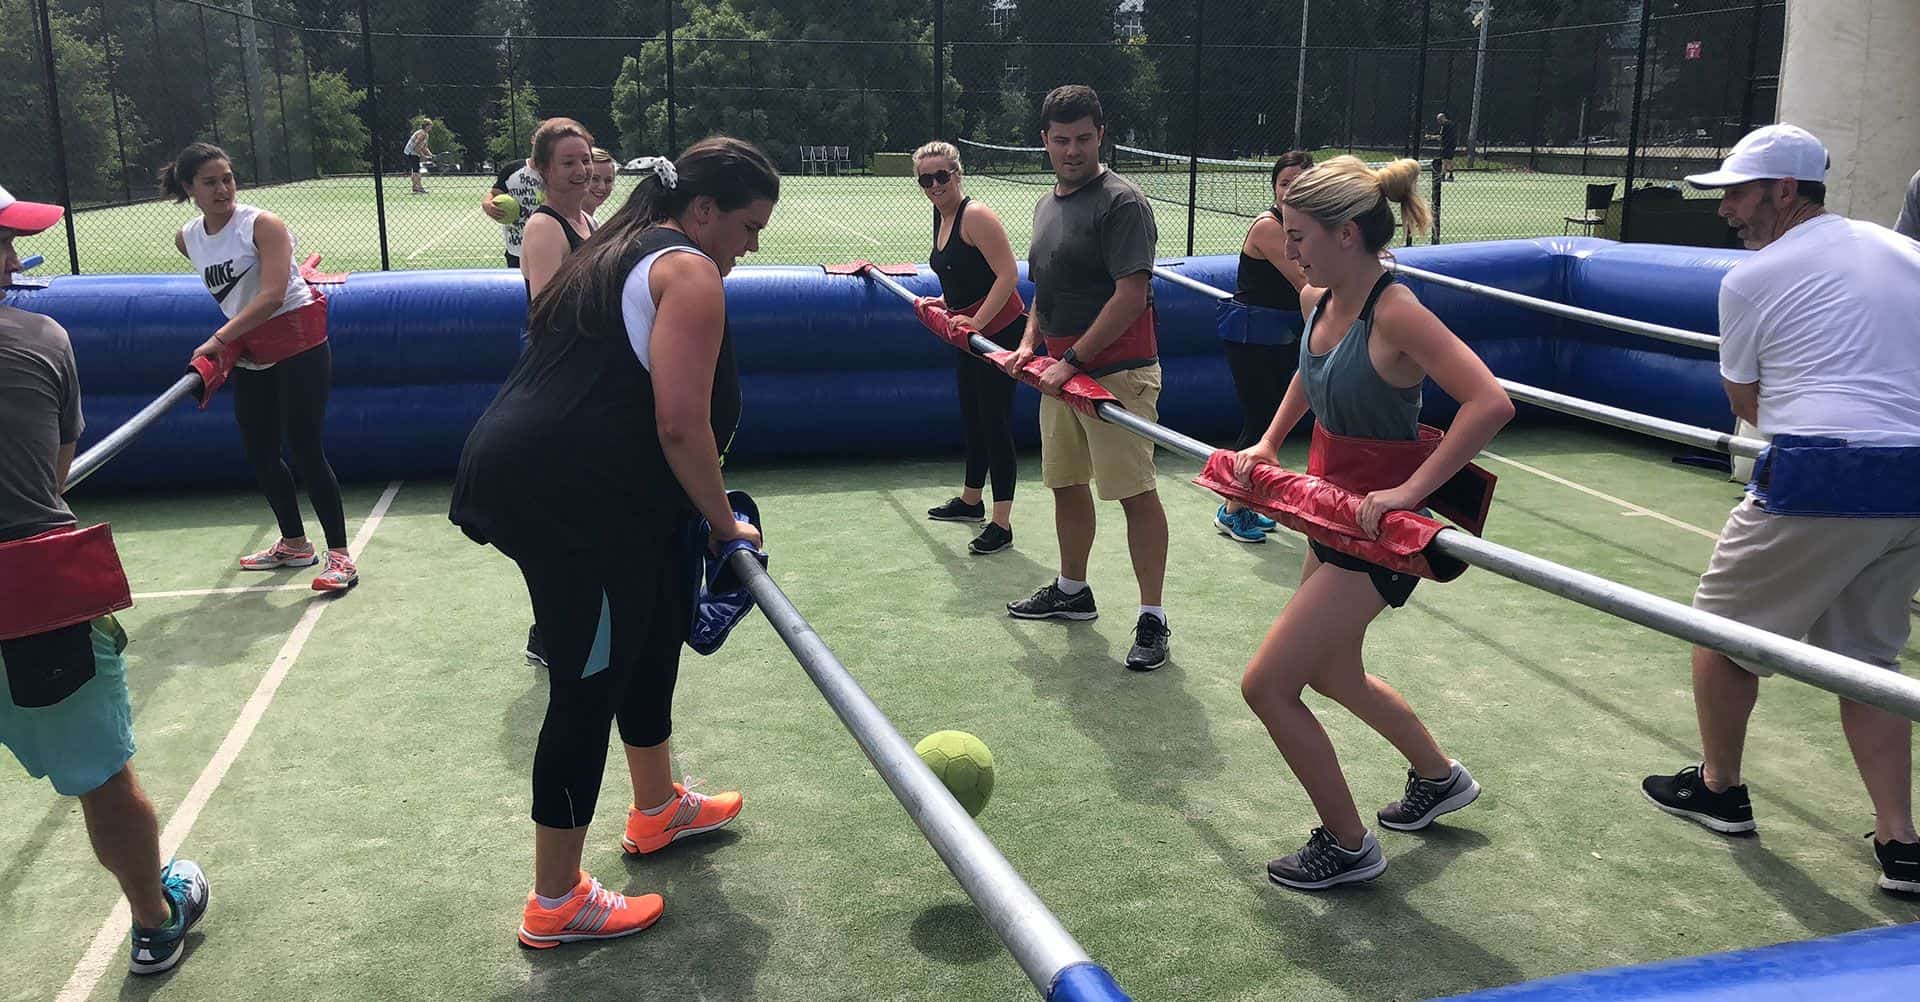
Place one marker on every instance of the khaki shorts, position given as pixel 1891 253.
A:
pixel 1842 584
pixel 1077 449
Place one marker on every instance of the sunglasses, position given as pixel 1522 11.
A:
pixel 937 177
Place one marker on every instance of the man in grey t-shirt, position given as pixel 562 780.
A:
pixel 64 709
pixel 1091 261
pixel 1909 221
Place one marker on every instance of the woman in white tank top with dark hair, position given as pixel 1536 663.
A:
pixel 275 341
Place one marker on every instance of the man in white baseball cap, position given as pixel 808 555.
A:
pixel 1818 349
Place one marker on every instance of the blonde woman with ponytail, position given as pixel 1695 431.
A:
pixel 1368 347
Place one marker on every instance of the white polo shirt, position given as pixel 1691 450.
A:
pixel 1827 320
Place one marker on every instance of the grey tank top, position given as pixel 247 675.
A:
pixel 1346 394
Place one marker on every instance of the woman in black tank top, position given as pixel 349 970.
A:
pixel 563 154
pixel 1264 358
pixel 978 274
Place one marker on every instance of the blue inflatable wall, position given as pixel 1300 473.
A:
pixel 834 365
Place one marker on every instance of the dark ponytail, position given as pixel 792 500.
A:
pixel 176 178
pixel 732 172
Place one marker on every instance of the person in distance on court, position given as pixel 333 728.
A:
pixel 1259 332
pixel 1369 345
pixel 419 147
pixel 275 340
pixel 979 282
pixel 590 467
pixel 1091 260
pixel 1818 350
pixel 64 709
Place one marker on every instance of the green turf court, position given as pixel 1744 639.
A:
pixel 370 839
pixel 819 220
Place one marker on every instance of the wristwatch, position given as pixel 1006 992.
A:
pixel 1070 358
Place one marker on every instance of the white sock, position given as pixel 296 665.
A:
pixel 1069 585
pixel 1157 612
pixel 552 903
pixel 654 811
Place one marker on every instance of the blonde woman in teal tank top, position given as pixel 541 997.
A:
pixel 1368 347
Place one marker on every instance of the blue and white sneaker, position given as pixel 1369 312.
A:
pixel 156 950
pixel 1261 522
pixel 1238 525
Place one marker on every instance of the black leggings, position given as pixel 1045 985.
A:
pixel 286 405
pixel 986 408
pixel 1261 373
pixel 613 622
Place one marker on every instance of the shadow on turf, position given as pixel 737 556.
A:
pixel 954 933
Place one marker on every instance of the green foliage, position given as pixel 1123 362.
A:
pixel 340 138
pixel 27 163
pixel 510 123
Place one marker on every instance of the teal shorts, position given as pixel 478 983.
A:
pixel 85 739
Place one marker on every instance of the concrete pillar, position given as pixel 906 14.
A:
pixel 1849 75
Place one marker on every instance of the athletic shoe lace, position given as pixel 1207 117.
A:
pixel 1322 856
pixel 604 898
pixel 1421 794
pixel 1148 631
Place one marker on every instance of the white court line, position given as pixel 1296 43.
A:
pixel 836 223
pixel 462 221
pixel 113 932
pixel 141 596
pixel 1610 499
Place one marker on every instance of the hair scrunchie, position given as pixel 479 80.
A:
pixel 661 167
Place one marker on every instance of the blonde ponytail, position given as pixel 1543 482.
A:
pixel 1346 190
pixel 1400 182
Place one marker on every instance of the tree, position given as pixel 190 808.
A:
pixel 511 122
pixel 86 112
pixel 340 138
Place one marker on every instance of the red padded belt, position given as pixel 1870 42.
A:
pixel 59 578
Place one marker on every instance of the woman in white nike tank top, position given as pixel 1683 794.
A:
pixel 275 342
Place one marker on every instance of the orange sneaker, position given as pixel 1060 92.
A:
pixel 593 912
pixel 688 813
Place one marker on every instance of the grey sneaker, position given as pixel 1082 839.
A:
pixel 1151 641
pixel 1426 800
pixel 1052 603
pixel 1322 863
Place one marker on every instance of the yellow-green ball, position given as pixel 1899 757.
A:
pixel 509 207
pixel 963 763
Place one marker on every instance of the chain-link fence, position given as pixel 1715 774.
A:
pixel 1552 115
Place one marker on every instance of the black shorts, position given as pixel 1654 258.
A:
pixel 1393 586
pixel 413 163
pixel 513 261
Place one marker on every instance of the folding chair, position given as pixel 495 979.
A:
pixel 1599 196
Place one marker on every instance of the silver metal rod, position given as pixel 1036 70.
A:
pixel 1856 680
pixel 1037 940
pixel 1659 332
pixel 1190 283
pixel 1824 669
pixel 123 436
pixel 1673 431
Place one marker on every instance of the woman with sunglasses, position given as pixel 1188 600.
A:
pixel 979 282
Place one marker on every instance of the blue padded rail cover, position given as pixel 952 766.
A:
pixel 1874 965
pixel 834 365
pixel 1085 982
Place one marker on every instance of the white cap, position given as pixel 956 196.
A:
pixel 1771 151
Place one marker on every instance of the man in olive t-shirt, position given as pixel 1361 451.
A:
pixel 1091 261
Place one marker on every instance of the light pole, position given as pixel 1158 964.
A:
pixel 1482 11
pixel 1300 78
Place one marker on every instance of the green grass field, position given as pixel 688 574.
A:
pixel 370 839
pixel 820 219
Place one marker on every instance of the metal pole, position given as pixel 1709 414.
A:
pixel 1353 59
pixel 673 131
pixel 123 436
pixel 1299 80
pixel 280 92
pixel 373 121
pixel 1039 943
pixel 206 59
pixel 1533 144
pixel 55 132
pixel 1193 128
pixel 1633 128
pixel 1753 69
pixel 247 37
pixel 1855 680
pixel 306 75
pixel 160 63
pixel 1420 81
pixel 113 94
pixel 247 93
pixel 1645 424
pixel 1593 90
pixel 1479 79
pixel 1437 176
pixel 939 68
pixel 1659 332
pixel 513 102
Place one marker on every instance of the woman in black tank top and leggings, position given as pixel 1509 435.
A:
pixel 563 154
pixel 1263 351
pixel 978 274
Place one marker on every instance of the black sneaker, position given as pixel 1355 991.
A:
pixel 1899 865
pixel 1685 795
pixel 1052 603
pixel 536 650
pixel 1322 863
pixel 992 539
pixel 1426 800
pixel 956 510
pixel 1150 644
